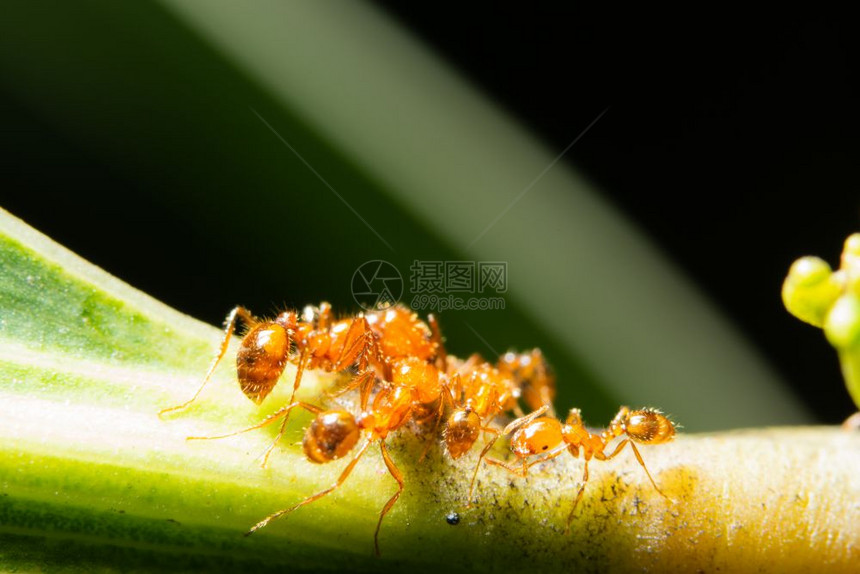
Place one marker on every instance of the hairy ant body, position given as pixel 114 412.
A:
pixel 402 334
pixel 321 343
pixel 377 339
pixel 542 438
pixel 407 349
pixel 372 344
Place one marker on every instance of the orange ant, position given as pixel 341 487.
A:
pixel 393 344
pixel 412 352
pixel 531 375
pixel 491 391
pixel 321 343
pixel 334 433
pixel 402 335
pixel 409 351
pixel 535 435
pixel 484 395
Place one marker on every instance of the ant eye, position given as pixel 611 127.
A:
pixel 545 447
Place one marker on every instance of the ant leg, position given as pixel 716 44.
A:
pixel 514 425
pixel 440 412
pixel 620 447
pixel 325 316
pixel 441 353
pixel 238 312
pixel 282 412
pixel 452 391
pixel 340 480
pixel 395 472
pixel 356 350
pixel 363 381
pixel 365 384
pixel 446 396
pixel 481 456
pixel 578 498
pixel 520 472
pixel 303 359
pixel 300 370
pixel 353 348
pixel 447 392
pixel 523 471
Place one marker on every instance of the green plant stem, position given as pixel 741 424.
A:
pixel 91 477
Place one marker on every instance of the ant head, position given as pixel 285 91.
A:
pixel 461 431
pixel 331 435
pixel 574 418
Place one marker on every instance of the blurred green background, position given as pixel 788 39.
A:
pixel 215 153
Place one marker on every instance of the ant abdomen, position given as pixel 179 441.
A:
pixel 261 360
pixel 461 432
pixel 331 435
pixel 539 436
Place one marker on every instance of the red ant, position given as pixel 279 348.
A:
pixel 535 435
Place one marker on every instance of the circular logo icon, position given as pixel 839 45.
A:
pixel 376 285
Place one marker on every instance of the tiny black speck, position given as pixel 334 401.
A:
pixel 453 519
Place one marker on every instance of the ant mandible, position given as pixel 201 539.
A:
pixel 535 435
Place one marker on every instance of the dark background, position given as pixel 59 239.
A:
pixel 731 139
